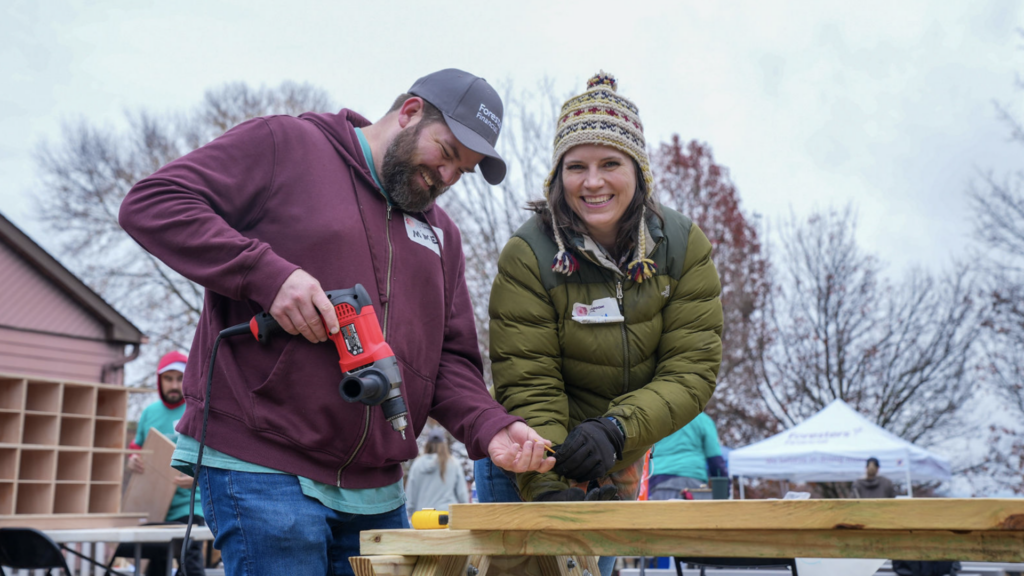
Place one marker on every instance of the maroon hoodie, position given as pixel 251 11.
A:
pixel 242 213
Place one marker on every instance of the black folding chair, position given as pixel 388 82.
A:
pixel 28 548
pixel 704 563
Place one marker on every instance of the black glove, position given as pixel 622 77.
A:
pixel 590 450
pixel 570 495
pixel 595 492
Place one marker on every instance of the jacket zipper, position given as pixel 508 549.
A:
pixel 387 295
pixel 625 342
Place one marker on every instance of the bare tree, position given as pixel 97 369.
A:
pixel 86 175
pixel 903 354
pixel 691 181
pixel 487 216
pixel 997 204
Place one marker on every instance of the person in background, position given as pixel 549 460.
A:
pixel 682 461
pixel 435 478
pixel 605 318
pixel 872 485
pixel 163 416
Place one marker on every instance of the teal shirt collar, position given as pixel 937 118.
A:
pixel 368 155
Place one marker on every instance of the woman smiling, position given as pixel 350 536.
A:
pixel 605 318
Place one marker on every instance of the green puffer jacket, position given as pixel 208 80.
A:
pixel 654 372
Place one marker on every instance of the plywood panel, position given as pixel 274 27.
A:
pixel 70 521
pixel 886 514
pixel 112 402
pixel 152 491
pixel 6 498
pixel 104 498
pixel 79 399
pixel 109 434
pixel 8 463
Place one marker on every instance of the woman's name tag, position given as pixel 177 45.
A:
pixel 602 311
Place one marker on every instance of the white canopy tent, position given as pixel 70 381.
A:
pixel 833 446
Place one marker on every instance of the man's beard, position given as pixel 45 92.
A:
pixel 172 397
pixel 399 174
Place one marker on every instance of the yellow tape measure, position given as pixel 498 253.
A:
pixel 429 519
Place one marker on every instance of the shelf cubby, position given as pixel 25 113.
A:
pixel 107 467
pixel 8 464
pixel 71 498
pixel 38 465
pixel 76 431
pixel 34 498
pixel 43 396
pixel 40 429
pixel 10 427
pixel 112 402
pixel 61 446
pixel 6 498
pixel 72 466
pixel 12 393
pixel 104 498
pixel 79 399
pixel 109 434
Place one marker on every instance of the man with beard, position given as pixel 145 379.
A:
pixel 266 217
pixel 163 415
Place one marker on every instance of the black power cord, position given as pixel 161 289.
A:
pixel 225 333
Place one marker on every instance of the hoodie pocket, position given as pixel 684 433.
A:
pixel 300 401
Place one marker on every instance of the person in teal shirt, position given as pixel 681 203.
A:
pixel 162 416
pixel 683 459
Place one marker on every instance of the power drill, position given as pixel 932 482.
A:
pixel 369 369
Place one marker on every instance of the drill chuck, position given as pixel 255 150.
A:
pixel 378 384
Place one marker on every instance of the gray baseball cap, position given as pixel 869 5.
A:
pixel 473 112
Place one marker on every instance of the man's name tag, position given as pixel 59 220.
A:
pixel 424 234
pixel 602 311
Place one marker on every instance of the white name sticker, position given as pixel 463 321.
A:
pixel 424 234
pixel 602 311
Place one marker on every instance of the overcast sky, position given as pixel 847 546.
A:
pixel 886 105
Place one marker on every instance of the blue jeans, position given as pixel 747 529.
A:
pixel 493 485
pixel 263 524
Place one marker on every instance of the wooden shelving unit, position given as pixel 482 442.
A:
pixel 62 447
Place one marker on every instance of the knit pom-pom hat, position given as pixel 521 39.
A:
pixel 601 116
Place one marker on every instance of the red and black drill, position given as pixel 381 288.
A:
pixel 369 369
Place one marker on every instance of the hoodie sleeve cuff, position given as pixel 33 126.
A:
pixel 487 425
pixel 264 279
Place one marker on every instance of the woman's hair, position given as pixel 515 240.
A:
pixel 629 225
pixel 438 446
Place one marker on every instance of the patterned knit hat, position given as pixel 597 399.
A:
pixel 601 116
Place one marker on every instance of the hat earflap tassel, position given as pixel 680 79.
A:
pixel 642 268
pixel 564 262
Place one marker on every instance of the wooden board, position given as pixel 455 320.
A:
pixel 885 514
pixel 71 521
pixel 151 492
pixel 980 546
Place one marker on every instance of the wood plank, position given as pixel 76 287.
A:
pixel 151 492
pixel 383 565
pixel 980 546
pixel 888 514
pixel 71 521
